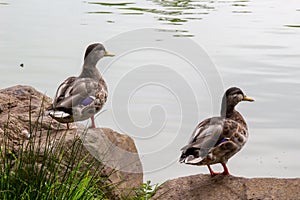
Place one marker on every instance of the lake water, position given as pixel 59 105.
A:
pixel 174 59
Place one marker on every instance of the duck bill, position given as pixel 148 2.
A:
pixel 247 98
pixel 109 54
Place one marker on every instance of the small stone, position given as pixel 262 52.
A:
pixel 25 134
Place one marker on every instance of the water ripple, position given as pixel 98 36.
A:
pixel 168 12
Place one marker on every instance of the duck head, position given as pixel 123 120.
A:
pixel 94 53
pixel 231 98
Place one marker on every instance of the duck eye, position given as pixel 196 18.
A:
pixel 240 96
pixel 237 96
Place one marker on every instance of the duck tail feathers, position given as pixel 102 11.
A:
pixel 57 114
pixel 190 159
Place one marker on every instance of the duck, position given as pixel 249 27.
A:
pixel 80 98
pixel 217 139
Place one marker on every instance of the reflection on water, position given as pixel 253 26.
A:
pixel 170 12
pixel 241 7
pixel 293 26
pixel 179 12
pixel 176 32
pixel 111 4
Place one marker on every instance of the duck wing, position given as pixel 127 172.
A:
pixel 206 135
pixel 63 90
pixel 78 94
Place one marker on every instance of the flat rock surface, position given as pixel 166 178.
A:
pixel 229 187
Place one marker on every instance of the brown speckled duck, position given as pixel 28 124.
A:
pixel 80 98
pixel 217 139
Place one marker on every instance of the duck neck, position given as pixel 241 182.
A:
pixel 226 110
pixel 90 71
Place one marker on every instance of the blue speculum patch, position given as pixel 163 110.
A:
pixel 222 140
pixel 87 101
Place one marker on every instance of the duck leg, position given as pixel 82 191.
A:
pixel 225 172
pixel 93 122
pixel 212 173
pixel 68 127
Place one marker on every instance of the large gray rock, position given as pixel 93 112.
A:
pixel 22 118
pixel 229 187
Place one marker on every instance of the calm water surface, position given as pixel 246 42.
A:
pixel 156 94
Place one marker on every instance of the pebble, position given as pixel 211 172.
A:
pixel 25 134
